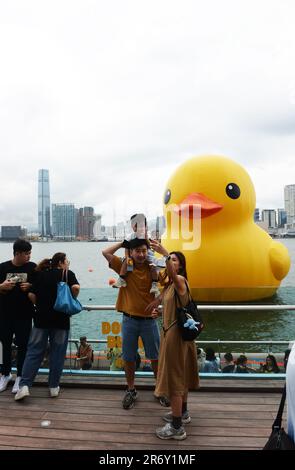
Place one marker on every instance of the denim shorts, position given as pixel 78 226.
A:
pixel 148 331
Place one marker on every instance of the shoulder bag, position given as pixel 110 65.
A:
pixel 189 319
pixel 279 439
pixel 65 302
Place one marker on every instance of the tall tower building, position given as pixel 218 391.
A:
pixel 44 203
pixel 289 196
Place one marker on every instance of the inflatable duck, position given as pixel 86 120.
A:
pixel 230 258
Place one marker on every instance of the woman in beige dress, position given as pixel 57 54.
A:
pixel 178 369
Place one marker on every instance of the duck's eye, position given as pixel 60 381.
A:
pixel 167 196
pixel 233 191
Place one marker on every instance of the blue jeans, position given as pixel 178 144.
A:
pixel 148 330
pixel 58 340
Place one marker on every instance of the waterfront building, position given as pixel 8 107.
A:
pixel 289 198
pixel 282 218
pixel 12 232
pixel 256 215
pixel 98 231
pixel 64 221
pixel 269 217
pixel 85 222
pixel 44 203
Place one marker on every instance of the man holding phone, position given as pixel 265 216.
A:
pixel 16 310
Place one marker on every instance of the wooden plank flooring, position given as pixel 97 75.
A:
pixel 83 418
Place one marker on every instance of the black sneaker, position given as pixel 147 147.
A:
pixel 129 399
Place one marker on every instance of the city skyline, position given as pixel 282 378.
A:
pixel 45 209
pixel 114 110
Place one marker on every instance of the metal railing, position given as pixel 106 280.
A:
pixel 209 307
pixel 255 308
pixel 219 342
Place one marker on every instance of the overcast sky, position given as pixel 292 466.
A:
pixel 111 96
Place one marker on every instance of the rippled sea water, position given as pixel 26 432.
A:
pixel 93 274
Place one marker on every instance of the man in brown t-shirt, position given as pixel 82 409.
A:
pixel 132 302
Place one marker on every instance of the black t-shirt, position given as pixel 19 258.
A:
pixel 16 302
pixel 229 369
pixel 45 289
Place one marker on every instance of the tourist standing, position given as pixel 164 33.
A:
pixel 16 311
pixel 132 302
pixel 178 369
pixel 48 324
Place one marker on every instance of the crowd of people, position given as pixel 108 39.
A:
pixel 209 362
pixel 28 293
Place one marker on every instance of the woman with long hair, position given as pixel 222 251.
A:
pixel 178 369
pixel 48 324
pixel 270 366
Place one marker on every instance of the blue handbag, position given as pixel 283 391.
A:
pixel 65 302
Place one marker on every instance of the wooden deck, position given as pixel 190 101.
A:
pixel 93 419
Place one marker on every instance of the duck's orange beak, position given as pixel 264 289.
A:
pixel 208 207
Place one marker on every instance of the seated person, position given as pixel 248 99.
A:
pixel 242 367
pixel 212 363
pixel 84 354
pixel 201 359
pixel 270 366
pixel 229 365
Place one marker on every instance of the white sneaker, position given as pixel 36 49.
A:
pixel 169 432
pixel 22 393
pixel 15 388
pixel 54 392
pixel 120 283
pixel 4 381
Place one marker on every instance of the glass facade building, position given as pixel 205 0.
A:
pixel 44 204
pixel 64 221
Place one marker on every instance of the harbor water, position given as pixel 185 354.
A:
pixel 93 274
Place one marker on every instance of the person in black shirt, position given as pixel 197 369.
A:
pixel 229 365
pixel 48 324
pixel 16 311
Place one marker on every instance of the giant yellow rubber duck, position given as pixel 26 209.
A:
pixel 209 205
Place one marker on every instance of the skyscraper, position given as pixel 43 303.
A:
pixel 289 193
pixel 85 222
pixel 44 203
pixel 64 221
